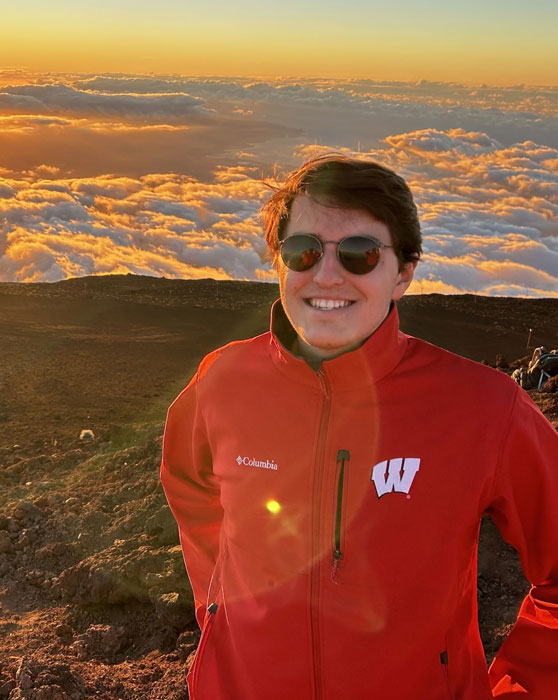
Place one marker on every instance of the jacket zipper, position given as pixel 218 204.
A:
pixel 211 610
pixel 315 568
pixel 343 457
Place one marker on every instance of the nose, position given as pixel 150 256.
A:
pixel 329 272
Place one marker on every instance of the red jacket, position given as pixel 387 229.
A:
pixel 329 521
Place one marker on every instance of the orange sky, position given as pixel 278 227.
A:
pixel 476 42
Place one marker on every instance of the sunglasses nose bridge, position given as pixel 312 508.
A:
pixel 328 269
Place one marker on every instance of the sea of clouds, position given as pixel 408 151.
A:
pixel 164 175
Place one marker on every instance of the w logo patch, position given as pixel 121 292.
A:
pixel 395 475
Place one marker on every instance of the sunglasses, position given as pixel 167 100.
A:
pixel 357 254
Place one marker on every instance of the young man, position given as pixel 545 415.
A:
pixel 329 477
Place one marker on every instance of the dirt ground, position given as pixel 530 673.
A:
pixel 94 600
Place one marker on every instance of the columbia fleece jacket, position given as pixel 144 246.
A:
pixel 329 521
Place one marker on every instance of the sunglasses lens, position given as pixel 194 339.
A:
pixel 301 252
pixel 359 255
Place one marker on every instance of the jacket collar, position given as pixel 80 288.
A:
pixel 366 365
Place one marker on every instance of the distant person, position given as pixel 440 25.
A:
pixel 329 478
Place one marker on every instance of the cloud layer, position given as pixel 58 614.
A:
pixel 163 175
pixel 64 99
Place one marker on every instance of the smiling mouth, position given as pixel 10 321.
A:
pixel 329 304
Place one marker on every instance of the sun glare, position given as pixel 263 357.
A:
pixel 273 507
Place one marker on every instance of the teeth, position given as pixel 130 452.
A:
pixel 329 303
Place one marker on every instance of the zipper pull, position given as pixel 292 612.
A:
pixel 335 564
pixel 336 560
pixel 212 609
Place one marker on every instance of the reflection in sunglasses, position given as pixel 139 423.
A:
pixel 358 254
pixel 310 257
pixel 372 256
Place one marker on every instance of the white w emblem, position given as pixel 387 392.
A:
pixel 395 475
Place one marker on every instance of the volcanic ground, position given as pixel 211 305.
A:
pixel 94 600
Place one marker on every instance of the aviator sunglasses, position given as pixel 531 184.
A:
pixel 357 254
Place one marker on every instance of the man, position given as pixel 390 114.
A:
pixel 329 477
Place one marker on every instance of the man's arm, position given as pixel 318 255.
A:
pixel 192 491
pixel 525 509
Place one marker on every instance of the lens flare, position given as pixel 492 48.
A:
pixel 273 507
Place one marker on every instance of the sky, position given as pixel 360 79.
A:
pixel 501 41
pixel 139 139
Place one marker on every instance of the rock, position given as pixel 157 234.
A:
pixel 50 692
pixel 53 550
pixel 18 694
pixel 24 674
pixel 87 435
pixel 59 549
pixel 13 525
pixel 54 499
pixel 63 631
pixel 58 682
pixel 41 502
pixel 29 534
pixel 43 554
pixel 6 687
pixel 24 540
pixel 27 511
pixel 102 642
pixel 163 526
pixel 174 610
pixel 551 385
pixel 118 574
pixel 186 644
pixel 5 542
pixel 79 647
pixel 25 681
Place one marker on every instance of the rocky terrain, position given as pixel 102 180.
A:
pixel 94 600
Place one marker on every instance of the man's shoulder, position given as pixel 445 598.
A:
pixel 233 355
pixel 424 357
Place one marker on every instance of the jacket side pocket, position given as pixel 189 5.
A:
pixel 444 664
pixel 193 674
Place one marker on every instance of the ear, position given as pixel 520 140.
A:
pixel 404 279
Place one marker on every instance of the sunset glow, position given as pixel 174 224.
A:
pixel 499 42
pixel 122 151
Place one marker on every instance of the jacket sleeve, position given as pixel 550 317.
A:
pixel 525 510
pixel 192 490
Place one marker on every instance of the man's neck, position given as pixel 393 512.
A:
pixel 314 356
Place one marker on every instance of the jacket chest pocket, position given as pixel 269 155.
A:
pixel 267 515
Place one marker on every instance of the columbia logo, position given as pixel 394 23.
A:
pixel 395 475
pixel 262 464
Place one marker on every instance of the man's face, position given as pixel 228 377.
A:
pixel 327 332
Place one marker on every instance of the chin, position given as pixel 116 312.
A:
pixel 330 348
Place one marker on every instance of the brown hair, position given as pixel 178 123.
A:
pixel 338 181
